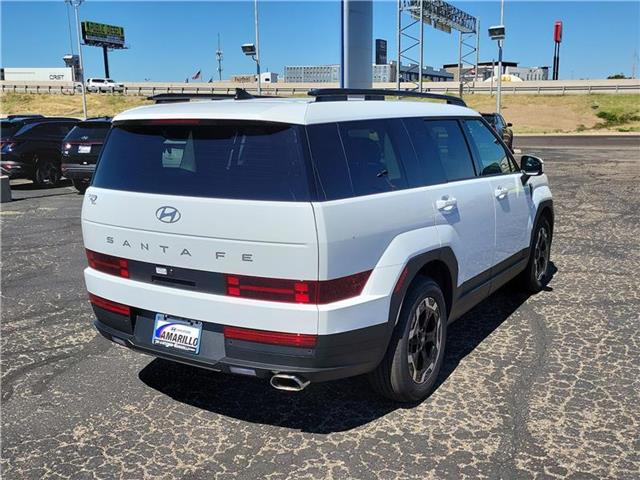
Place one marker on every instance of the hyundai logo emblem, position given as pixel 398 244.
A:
pixel 168 214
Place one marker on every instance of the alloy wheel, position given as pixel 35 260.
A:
pixel 425 339
pixel 541 254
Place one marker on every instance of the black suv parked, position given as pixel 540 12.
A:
pixel 80 150
pixel 30 147
pixel 501 127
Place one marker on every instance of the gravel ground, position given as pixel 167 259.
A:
pixel 546 386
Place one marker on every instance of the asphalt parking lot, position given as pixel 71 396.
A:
pixel 546 386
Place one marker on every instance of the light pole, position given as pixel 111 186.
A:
pixel 249 49
pixel 257 55
pixel 497 33
pixel 499 96
pixel 76 7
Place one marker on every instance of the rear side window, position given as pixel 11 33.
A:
pixel 431 169
pixel 488 150
pixel 443 151
pixel 235 160
pixel 360 158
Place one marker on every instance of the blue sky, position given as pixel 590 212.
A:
pixel 171 40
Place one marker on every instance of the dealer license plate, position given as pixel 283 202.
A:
pixel 177 334
pixel 84 148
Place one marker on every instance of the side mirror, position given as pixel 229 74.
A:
pixel 509 124
pixel 531 166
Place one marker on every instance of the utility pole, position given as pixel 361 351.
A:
pixel 76 6
pixel 460 81
pixel 399 53
pixel 219 59
pixel 421 45
pixel 475 78
pixel 499 95
pixel 255 10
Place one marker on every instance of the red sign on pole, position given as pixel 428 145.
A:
pixel 557 32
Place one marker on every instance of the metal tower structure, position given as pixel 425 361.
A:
pixel 413 15
pixel 219 59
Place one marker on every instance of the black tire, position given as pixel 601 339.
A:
pixel 80 185
pixel 538 272
pixel 395 377
pixel 47 172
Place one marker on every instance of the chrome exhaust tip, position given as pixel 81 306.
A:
pixel 290 383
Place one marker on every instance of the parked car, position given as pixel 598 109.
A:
pixel 502 128
pixel 103 85
pixel 302 241
pixel 30 147
pixel 80 150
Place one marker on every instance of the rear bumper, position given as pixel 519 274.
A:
pixel 352 335
pixel 75 171
pixel 334 356
pixel 14 169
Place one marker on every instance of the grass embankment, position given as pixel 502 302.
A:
pixel 68 105
pixel 565 113
pixel 528 113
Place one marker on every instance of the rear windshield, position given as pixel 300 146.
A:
pixel 236 160
pixel 88 132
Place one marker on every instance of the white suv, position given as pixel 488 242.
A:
pixel 304 240
pixel 98 85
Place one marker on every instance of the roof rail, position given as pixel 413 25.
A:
pixel 336 94
pixel 241 94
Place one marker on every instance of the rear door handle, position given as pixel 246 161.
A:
pixel 446 204
pixel 501 193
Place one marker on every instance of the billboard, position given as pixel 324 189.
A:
pixel 557 32
pixel 381 51
pixel 102 35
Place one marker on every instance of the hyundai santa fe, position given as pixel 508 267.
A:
pixel 304 240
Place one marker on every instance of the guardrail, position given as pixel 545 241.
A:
pixel 559 87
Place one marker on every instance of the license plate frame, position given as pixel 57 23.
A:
pixel 177 334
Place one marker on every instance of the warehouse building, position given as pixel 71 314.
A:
pixel 312 73
pixel 381 73
pixel 487 70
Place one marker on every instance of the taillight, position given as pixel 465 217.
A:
pixel 8 146
pixel 110 306
pixel 273 338
pixel 108 264
pixel 296 291
pixel 341 288
pixel 274 289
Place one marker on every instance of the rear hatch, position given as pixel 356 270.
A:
pixel 218 196
pixel 83 143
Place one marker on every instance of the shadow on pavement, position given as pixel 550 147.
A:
pixel 25 191
pixel 324 407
